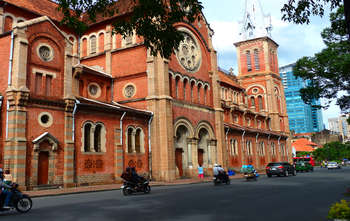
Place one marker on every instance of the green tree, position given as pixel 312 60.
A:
pixel 329 70
pixel 152 19
pixel 303 153
pixel 332 151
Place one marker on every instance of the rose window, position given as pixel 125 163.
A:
pixel 188 53
pixel 45 53
pixel 129 91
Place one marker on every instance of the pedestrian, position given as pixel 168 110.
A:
pixel 200 172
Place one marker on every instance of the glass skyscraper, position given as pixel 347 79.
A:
pixel 303 118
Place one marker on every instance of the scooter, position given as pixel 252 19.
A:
pixel 250 176
pixel 19 201
pixel 129 188
pixel 217 180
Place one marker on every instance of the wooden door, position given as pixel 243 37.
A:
pixel 200 156
pixel 43 168
pixel 178 160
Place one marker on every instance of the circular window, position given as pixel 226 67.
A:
pixel 45 52
pixel 45 119
pixel 94 90
pixel 189 54
pixel 129 91
pixel 255 90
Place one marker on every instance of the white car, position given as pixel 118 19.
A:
pixel 333 165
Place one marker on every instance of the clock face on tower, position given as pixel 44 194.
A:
pixel 189 54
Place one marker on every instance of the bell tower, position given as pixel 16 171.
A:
pixel 258 65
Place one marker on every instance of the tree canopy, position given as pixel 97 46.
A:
pixel 329 70
pixel 332 151
pixel 152 19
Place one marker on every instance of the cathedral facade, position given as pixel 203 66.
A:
pixel 78 110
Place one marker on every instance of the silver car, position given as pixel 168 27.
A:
pixel 333 165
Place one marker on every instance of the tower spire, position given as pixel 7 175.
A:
pixel 255 23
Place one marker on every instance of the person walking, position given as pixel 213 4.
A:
pixel 200 172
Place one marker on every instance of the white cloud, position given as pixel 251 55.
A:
pixel 226 33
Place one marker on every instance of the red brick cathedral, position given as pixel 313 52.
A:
pixel 78 110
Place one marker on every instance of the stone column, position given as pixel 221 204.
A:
pixel 213 151
pixel 17 95
pixel 15 151
pixel 69 175
pixel 108 49
pixel 190 153
pixel 118 155
pixel 162 132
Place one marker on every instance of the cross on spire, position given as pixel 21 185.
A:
pixel 255 23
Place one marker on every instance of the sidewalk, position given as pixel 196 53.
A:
pixel 97 188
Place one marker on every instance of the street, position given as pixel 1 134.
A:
pixel 306 196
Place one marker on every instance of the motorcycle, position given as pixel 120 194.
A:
pixel 129 188
pixel 221 179
pixel 19 201
pixel 250 176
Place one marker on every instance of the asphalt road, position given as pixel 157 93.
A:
pixel 306 196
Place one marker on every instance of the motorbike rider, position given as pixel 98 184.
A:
pixel 131 176
pixel 219 172
pixel 5 190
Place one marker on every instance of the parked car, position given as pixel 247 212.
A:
pixel 280 168
pixel 300 166
pixel 333 165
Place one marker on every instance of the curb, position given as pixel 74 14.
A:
pixel 117 188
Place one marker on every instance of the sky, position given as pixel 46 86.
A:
pixel 295 41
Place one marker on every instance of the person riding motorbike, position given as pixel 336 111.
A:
pixel 5 190
pixel 219 172
pixel 132 177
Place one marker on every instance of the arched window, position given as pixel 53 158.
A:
pixel 177 80
pixel 273 149
pixel 184 88
pixel 234 147
pixel 94 139
pixel 249 148
pixel 137 141
pixel 262 148
pixel 192 87
pixel 97 138
pixel 8 23
pixel 249 61
pixel 199 93
pixel 130 146
pixel 84 47
pixel 101 42
pixel 260 101
pixel 205 94
pixel 252 101
pixel 93 44
pixel 87 132
pixel 256 59
pixel 235 118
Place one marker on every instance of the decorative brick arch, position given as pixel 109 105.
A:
pixel 44 143
pixel 206 146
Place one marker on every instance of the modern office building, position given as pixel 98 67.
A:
pixel 303 118
pixel 340 125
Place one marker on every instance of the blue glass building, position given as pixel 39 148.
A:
pixel 303 118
